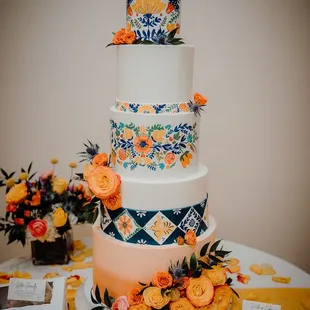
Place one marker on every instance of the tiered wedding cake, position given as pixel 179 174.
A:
pixel 154 141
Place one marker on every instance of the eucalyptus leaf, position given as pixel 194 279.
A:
pixel 4 173
pixel 215 245
pixel 97 294
pixel 204 265
pixel 29 168
pixel 215 259
pixel 107 299
pixel 193 262
pixel 204 249
pixel 94 301
pixel 221 253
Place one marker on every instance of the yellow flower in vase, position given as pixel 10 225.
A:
pixel 60 185
pixel 59 217
pixel 23 176
pixel 54 161
pixel 16 194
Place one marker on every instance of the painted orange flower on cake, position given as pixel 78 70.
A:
pixel 146 109
pixel 186 159
pixel 143 144
pixel 148 6
pixel 125 224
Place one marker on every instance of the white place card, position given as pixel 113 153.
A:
pixel 253 305
pixel 27 289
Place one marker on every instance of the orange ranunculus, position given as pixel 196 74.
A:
pixel 190 237
pixel 17 194
pixel 134 297
pixel 181 304
pixel 222 296
pixel 100 160
pixel 124 37
pixel 143 145
pixel 200 291
pixel 36 199
pixel 27 213
pixel 19 221
pixel 182 283
pixel 113 202
pixel 217 275
pixel 180 240
pixel 11 208
pixel 37 228
pixel 200 99
pixel 169 158
pixel 122 154
pixel 87 170
pixel 162 279
pixel 104 182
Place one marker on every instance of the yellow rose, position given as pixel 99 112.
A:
pixel 200 291
pixel 222 296
pixel 153 297
pixel 128 134
pixel 16 194
pixel 217 275
pixel 159 135
pixel 59 217
pixel 182 304
pixel 59 185
pixel 87 170
pixel 140 307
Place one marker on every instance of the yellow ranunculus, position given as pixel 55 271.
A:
pixel 154 298
pixel 182 303
pixel 16 194
pixel 23 176
pixel 59 217
pixel 159 135
pixel 59 185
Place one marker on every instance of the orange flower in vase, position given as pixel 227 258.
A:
pixel 37 228
pixel 124 37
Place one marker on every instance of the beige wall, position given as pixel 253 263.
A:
pixel 57 81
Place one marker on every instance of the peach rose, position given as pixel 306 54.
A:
pixel 200 99
pixel 134 298
pixel 122 154
pixel 100 160
pixel 17 194
pixel 37 228
pixel 154 298
pixel 181 304
pixel 87 170
pixel 103 182
pixel 162 279
pixel 113 202
pixel 169 158
pixel 222 296
pixel 60 185
pixel 200 291
pixel 121 303
pixel 190 237
pixel 47 174
pixel 59 217
pixel 217 275
pixel 140 307
pixel 124 37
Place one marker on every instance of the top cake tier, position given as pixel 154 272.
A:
pixel 155 74
pixel 149 19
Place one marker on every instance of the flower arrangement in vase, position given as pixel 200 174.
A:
pixel 43 211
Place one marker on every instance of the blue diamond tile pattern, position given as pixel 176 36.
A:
pixel 160 227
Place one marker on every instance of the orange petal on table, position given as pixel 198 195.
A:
pixel 232 261
pixel 243 278
pixel 82 265
pixel 78 258
pixel 264 269
pixel 285 280
pixel 233 268
pixel 51 275
pixel 78 245
pixel 88 252
pixel 21 275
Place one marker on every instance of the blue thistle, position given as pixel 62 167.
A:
pixel 177 271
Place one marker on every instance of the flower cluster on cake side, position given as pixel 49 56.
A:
pixel 195 283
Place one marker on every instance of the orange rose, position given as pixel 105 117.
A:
pixel 217 275
pixel 134 297
pixel 122 154
pixel 36 199
pixel 162 279
pixel 19 221
pixel 200 99
pixel 17 194
pixel 113 202
pixel 190 238
pixel 222 296
pixel 200 291
pixel 103 182
pixel 169 158
pixel 11 208
pixel 37 228
pixel 100 160
pixel 183 283
pixel 124 37
pixel 181 304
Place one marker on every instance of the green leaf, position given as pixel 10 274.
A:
pixel 94 301
pixel 11 174
pixel 22 170
pixel 99 308
pixel 229 281
pixel 215 245
pixel 162 292
pixel 32 176
pixel 193 262
pixel 4 173
pixel 172 34
pixel 204 249
pixel 110 44
pixel 235 292
pixel 221 253
pixel 143 284
pixel 215 259
pixel 107 299
pixel 29 168
pixel 204 265
pixel 197 272
pixel 95 216
pixel 97 294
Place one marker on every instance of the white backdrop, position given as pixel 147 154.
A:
pixel 57 81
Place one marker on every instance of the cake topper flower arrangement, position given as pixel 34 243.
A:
pixel 198 282
pixel 103 182
pixel 42 209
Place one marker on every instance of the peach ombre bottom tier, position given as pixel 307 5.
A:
pixel 119 266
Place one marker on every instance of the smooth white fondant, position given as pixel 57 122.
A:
pixel 155 73
pixel 164 194
pixel 148 120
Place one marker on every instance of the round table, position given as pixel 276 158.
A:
pixel 246 255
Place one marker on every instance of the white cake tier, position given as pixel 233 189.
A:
pixel 155 74
pixel 154 145
pixel 164 194
pixel 118 266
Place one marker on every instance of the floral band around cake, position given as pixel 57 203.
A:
pixel 157 147
pixel 160 227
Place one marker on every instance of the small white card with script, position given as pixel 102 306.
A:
pixel 27 290
pixel 253 305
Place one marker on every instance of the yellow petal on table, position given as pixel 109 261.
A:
pixel 82 265
pixel 78 245
pixel 50 275
pixel 285 280
pixel 71 294
pixel 232 261
pixel 305 302
pixel 88 252
pixel 78 258
pixel 71 305
pixel 233 268
pixel 75 281
pixel 263 270
pixel 21 275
